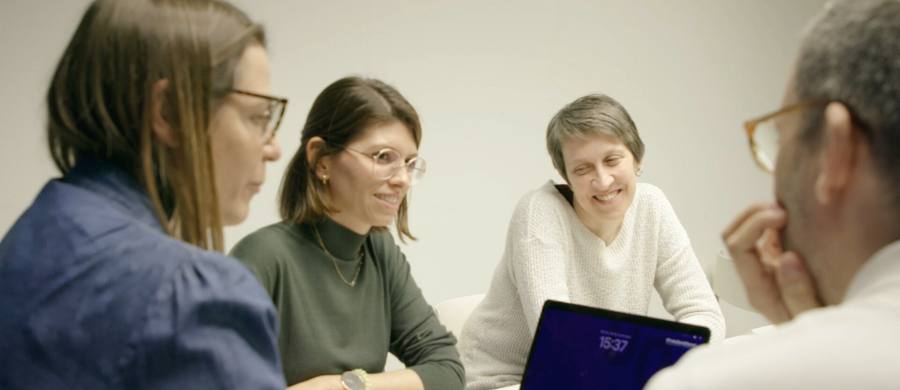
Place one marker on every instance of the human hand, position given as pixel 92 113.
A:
pixel 778 284
pixel 321 382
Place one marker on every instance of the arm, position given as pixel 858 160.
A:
pixel 536 258
pixel 212 327
pixel 680 279
pixel 686 294
pixel 396 380
pixel 418 338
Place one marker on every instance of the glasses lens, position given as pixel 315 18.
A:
pixel 275 111
pixel 386 163
pixel 765 141
pixel 416 169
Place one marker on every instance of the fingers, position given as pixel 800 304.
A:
pixel 750 226
pixel 762 291
pixel 768 246
pixel 753 209
pixel 753 233
pixel 798 289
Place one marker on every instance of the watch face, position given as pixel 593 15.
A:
pixel 353 381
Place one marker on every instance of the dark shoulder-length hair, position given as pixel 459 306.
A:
pixel 343 111
pixel 98 103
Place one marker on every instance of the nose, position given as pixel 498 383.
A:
pixel 401 178
pixel 271 150
pixel 603 180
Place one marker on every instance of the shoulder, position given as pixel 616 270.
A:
pixel 540 207
pixel 266 244
pixel 385 249
pixel 199 268
pixel 212 308
pixel 650 195
pixel 546 198
pixel 198 278
pixel 827 340
pixel 271 235
pixel 650 202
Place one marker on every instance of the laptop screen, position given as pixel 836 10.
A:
pixel 579 347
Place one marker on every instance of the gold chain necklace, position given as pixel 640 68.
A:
pixel 352 282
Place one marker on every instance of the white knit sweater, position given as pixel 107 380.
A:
pixel 550 254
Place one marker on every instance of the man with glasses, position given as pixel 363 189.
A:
pixel 823 262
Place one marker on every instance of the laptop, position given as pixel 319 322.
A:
pixel 581 347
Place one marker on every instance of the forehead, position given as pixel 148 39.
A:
pixel 592 146
pixel 251 73
pixel 394 135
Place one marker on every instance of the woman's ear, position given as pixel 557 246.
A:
pixel 160 121
pixel 314 149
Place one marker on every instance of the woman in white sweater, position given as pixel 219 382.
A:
pixel 601 240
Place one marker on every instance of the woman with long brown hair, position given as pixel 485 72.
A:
pixel 159 119
pixel 343 288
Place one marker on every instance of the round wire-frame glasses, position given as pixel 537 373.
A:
pixel 388 162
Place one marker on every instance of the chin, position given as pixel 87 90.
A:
pixel 382 222
pixel 234 216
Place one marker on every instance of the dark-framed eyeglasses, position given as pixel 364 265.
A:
pixel 267 123
pixel 387 162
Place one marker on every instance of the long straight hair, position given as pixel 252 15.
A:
pixel 98 103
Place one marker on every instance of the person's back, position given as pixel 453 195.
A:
pixel 849 346
pixel 95 295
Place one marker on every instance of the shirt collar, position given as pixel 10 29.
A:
pixel 882 268
pixel 108 181
pixel 340 241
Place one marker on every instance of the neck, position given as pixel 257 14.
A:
pixel 605 229
pixel 351 223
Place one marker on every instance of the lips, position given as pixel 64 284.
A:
pixel 608 196
pixel 391 199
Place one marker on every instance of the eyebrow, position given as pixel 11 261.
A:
pixel 380 147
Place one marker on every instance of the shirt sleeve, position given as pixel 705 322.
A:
pixel 680 280
pixel 536 256
pixel 210 327
pixel 418 338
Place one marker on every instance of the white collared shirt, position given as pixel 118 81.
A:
pixel 853 345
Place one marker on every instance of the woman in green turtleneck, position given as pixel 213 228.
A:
pixel 342 287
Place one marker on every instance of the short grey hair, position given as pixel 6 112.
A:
pixel 851 54
pixel 589 115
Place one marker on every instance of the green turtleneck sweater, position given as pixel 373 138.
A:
pixel 327 326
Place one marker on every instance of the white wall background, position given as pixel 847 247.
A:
pixel 485 76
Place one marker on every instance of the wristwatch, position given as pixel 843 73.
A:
pixel 356 379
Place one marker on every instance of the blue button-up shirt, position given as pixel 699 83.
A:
pixel 94 295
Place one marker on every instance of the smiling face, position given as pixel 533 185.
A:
pixel 363 198
pixel 239 151
pixel 601 172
